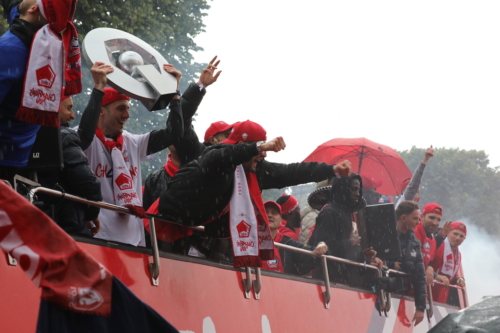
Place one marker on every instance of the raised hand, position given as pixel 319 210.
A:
pixel 99 71
pixel 275 145
pixel 445 230
pixel 343 168
pixel 170 69
pixel 207 76
pixel 429 152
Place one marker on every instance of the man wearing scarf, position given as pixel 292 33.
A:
pixel 447 261
pixel 221 190
pixel 115 156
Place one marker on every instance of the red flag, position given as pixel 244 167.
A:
pixel 52 260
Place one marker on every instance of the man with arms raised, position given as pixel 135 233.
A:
pixel 221 190
pixel 115 156
pixel 447 262
pixel 407 216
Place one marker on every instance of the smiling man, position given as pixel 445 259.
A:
pixel 115 156
pixel 407 216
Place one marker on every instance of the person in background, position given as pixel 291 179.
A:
pixel 447 261
pixel 290 210
pixel 274 215
pixel 370 185
pixel 410 188
pixel 316 201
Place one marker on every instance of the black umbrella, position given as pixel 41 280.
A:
pixel 483 317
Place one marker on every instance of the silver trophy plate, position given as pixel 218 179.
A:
pixel 138 66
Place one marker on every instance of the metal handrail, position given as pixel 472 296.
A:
pixel 100 204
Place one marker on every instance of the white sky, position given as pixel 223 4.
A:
pixel 405 73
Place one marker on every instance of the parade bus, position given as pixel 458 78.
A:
pixel 201 296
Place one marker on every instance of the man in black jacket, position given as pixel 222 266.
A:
pixel 201 190
pixel 334 226
pixel 76 177
pixel 407 216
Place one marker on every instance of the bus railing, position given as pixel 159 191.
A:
pixel 154 268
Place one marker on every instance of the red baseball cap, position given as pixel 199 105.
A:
pixel 217 127
pixel 432 208
pixel 459 226
pixel 112 95
pixel 273 204
pixel 370 182
pixel 246 131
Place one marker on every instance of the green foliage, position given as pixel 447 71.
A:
pixel 168 25
pixel 462 183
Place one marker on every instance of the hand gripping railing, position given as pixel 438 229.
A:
pixel 430 310
pixel 154 267
pixel 324 259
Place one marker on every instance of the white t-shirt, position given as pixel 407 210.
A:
pixel 127 229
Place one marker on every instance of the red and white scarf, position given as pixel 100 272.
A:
pixel 67 275
pixel 451 260
pixel 54 62
pixel 250 233
pixel 124 193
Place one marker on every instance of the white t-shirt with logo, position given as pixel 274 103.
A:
pixel 126 228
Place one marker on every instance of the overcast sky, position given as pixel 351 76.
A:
pixel 397 72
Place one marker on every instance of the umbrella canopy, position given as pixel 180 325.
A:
pixel 480 317
pixel 380 161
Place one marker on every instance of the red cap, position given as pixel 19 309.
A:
pixel 370 182
pixel 459 226
pixel 432 208
pixel 112 95
pixel 274 204
pixel 289 205
pixel 217 127
pixel 246 131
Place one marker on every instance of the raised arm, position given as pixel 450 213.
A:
pixel 414 185
pixel 90 116
pixel 174 128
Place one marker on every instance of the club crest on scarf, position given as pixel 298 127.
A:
pixel 84 299
pixel 243 229
pixel 45 76
pixel 124 182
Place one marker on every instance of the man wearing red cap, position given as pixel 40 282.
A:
pixel 431 218
pixel 115 156
pixel 207 190
pixel 288 265
pixel 290 211
pixel 76 177
pixel 217 132
pixel 447 261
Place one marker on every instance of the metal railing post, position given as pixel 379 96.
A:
pixel 326 278
pixel 257 283
pixel 430 310
pixel 154 267
pixel 247 282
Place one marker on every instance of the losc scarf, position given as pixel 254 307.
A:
pixel 124 192
pixel 250 234
pixel 54 62
pixel 451 262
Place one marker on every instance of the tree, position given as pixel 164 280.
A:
pixel 170 26
pixel 463 183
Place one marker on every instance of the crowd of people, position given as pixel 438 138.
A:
pixel 216 183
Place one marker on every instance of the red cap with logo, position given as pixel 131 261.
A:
pixel 273 204
pixel 246 131
pixel 459 226
pixel 112 95
pixel 217 127
pixel 432 208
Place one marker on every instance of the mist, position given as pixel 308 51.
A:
pixel 480 262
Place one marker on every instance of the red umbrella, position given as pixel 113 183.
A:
pixel 380 161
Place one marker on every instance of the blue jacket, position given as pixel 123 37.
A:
pixel 16 137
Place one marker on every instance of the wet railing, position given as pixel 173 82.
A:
pixel 384 297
